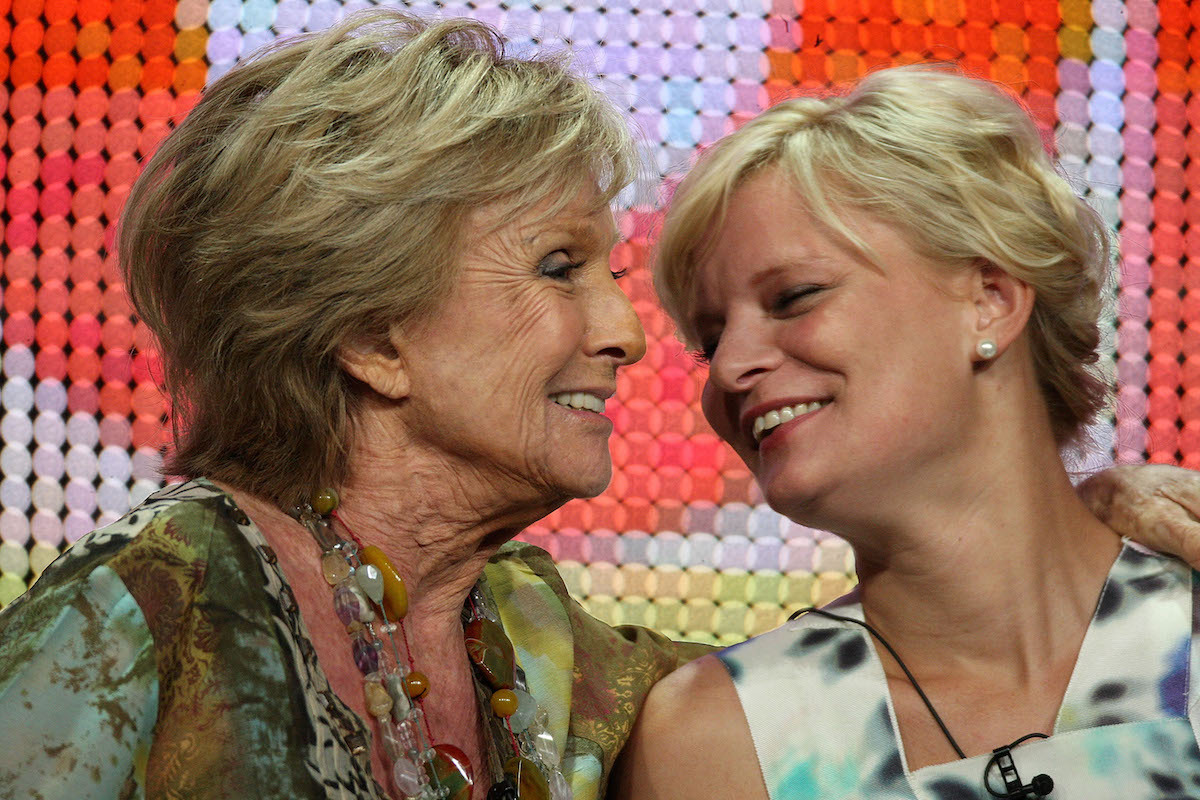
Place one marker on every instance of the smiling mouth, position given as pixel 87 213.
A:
pixel 583 401
pixel 771 420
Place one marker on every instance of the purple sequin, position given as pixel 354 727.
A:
pixel 366 657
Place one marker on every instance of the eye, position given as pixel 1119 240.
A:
pixel 703 355
pixel 620 273
pixel 787 299
pixel 558 265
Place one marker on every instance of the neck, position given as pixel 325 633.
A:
pixel 437 527
pixel 992 567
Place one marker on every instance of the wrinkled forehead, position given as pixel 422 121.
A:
pixel 582 211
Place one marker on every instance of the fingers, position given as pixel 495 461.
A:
pixel 1156 505
pixel 1185 493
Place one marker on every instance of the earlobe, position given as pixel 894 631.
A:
pixel 377 364
pixel 1002 307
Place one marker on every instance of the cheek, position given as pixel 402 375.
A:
pixel 714 404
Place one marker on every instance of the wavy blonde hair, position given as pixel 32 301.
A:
pixel 958 166
pixel 317 193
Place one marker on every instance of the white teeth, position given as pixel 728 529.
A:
pixel 772 419
pixel 583 400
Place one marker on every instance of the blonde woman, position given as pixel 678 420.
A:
pixel 899 300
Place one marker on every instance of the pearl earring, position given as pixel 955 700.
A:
pixel 986 349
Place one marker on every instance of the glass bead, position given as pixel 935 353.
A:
pixel 395 594
pixel 366 657
pixel 504 702
pixel 346 603
pixel 392 746
pixel 416 685
pixel 543 740
pixel 325 501
pixel 531 783
pixel 481 605
pixel 378 701
pixel 452 771
pixel 370 580
pixel 348 549
pixel 526 709
pixel 334 567
pixel 407 776
pixel 559 788
pixel 406 732
pixel 400 702
pixel 492 653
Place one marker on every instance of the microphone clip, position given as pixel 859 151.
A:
pixel 1014 788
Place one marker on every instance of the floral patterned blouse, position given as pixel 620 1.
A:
pixel 164 656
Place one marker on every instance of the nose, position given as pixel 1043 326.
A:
pixel 614 329
pixel 744 355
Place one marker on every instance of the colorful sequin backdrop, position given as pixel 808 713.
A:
pixel 681 540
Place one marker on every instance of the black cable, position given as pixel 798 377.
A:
pixel 900 661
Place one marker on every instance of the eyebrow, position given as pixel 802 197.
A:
pixel 784 265
pixel 579 231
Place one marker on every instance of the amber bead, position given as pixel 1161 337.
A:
pixel 395 594
pixel 530 782
pixel 504 702
pixel 416 685
pixel 324 501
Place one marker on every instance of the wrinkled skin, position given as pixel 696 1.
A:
pixel 1157 505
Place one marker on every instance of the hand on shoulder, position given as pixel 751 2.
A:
pixel 1157 505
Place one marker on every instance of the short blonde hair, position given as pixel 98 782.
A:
pixel 958 166
pixel 316 194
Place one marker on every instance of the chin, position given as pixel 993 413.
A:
pixel 591 486
pixel 590 480
pixel 799 501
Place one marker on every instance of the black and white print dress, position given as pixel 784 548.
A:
pixel 816 698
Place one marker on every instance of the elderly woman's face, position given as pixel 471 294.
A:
pixel 512 375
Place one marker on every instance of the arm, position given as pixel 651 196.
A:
pixel 690 741
pixel 78 689
pixel 1156 505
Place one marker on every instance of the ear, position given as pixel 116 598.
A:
pixel 1002 305
pixel 378 364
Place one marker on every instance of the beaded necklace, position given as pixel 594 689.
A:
pixel 365 582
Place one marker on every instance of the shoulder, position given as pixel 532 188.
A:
pixel 691 740
pixel 129 580
pixel 699 691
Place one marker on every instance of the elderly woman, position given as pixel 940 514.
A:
pixel 377 264
pixel 900 305
pixel 376 261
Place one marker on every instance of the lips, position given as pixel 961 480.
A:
pixel 759 421
pixel 583 400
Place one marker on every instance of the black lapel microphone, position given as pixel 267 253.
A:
pixel 1014 788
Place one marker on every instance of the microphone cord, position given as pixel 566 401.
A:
pixel 1041 785
pixel 907 673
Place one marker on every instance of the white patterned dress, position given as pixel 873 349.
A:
pixel 816 698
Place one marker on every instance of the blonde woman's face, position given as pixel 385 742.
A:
pixel 836 381
pixel 511 378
